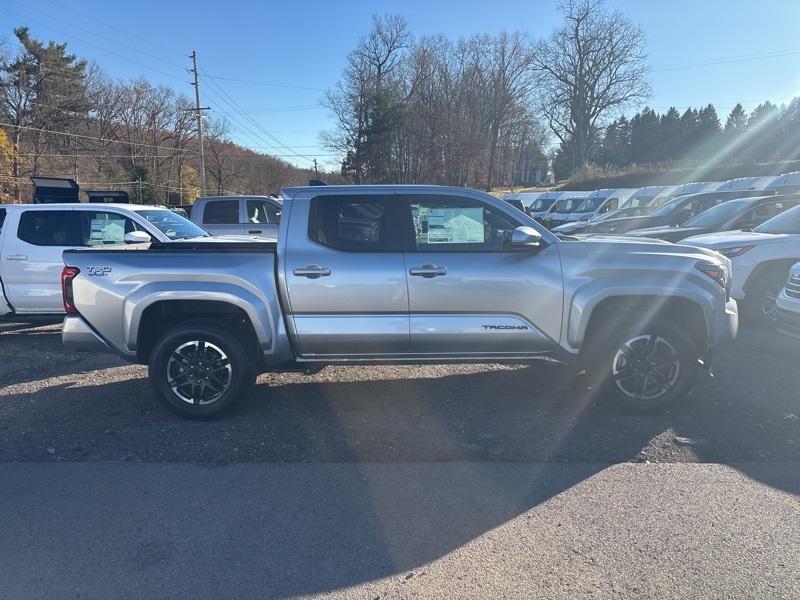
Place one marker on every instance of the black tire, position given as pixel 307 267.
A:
pixel 193 352
pixel 759 308
pixel 607 362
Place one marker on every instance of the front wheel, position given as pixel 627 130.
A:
pixel 760 307
pixel 201 371
pixel 645 371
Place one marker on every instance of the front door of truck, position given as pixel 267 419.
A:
pixel 345 277
pixel 470 292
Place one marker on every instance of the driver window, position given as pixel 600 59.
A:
pixel 453 224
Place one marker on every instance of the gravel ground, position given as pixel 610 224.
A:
pixel 62 406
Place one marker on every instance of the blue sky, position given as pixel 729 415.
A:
pixel 301 47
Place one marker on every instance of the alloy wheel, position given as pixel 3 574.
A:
pixel 199 372
pixel 645 367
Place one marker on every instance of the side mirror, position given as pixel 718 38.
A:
pixel 137 237
pixel 525 237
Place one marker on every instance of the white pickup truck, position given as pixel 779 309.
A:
pixel 34 236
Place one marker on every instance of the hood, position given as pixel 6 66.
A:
pixel 609 246
pixel 574 227
pixel 625 224
pixel 728 239
pixel 618 239
pixel 672 234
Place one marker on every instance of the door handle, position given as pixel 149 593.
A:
pixel 312 271
pixel 427 271
pixel 16 257
pixel 254 231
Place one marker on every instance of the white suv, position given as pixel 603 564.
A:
pixel 761 260
pixel 34 236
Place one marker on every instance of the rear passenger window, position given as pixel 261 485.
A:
pixel 49 228
pixel 2 217
pixel 349 223
pixel 221 212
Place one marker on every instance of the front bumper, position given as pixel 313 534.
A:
pixel 727 326
pixel 77 335
pixel 788 321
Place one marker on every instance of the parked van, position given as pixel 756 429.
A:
pixel 543 204
pixel 563 208
pixel 600 202
pixel 746 183
pixel 651 195
pixel 788 183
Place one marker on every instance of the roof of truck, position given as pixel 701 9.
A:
pixel 321 189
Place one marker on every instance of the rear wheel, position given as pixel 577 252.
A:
pixel 645 370
pixel 201 371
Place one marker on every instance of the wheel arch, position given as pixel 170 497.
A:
pixel 766 268
pixel 161 315
pixel 637 310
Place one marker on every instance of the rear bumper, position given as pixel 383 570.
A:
pixel 77 335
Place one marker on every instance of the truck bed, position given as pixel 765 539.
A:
pixel 118 287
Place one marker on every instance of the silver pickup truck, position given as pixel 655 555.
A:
pixel 388 274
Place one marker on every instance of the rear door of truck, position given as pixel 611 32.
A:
pixel 345 276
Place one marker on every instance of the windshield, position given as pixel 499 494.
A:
pixel 567 205
pixel 541 204
pixel 716 216
pixel 591 204
pixel 624 212
pixel 639 201
pixel 668 207
pixel 787 222
pixel 172 225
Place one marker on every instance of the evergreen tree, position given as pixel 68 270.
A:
pixel 669 133
pixel 737 120
pixel 644 136
pixel 615 143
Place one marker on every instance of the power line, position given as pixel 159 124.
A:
pixel 265 83
pixel 84 155
pixel 104 49
pixel 100 35
pixel 724 60
pixel 236 106
pixel 231 102
pixel 89 137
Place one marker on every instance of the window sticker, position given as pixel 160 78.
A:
pixel 455 226
pixel 106 231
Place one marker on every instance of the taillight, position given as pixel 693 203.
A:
pixel 67 275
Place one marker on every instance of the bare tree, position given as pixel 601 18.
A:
pixel 590 68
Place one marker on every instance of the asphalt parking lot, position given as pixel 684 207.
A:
pixel 413 481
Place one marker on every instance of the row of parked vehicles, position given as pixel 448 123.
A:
pixel 754 221
pixel 378 274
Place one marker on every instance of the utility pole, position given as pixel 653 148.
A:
pixel 199 114
pixel 316 173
